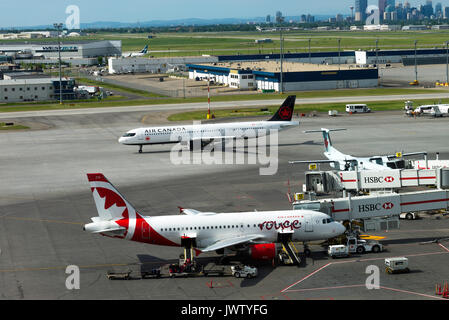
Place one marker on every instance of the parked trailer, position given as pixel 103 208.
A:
pixel 213 269
pixel 111 275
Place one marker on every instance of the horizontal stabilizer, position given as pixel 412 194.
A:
pixel 194 212
pixel 324 130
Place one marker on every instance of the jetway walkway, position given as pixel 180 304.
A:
pixel 377 205
pixel 330 181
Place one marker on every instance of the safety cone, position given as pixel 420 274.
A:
pixel 438 290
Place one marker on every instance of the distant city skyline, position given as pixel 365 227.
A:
pixel 32 13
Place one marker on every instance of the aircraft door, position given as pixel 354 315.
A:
pixel 308 224
pixel 141 136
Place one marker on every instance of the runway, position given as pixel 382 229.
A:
pixel 45 199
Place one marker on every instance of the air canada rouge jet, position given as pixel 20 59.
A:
pixel 207 133
pixel 255 232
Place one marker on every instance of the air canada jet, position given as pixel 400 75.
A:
pixel 141 53
pixel 341 161
pixel 207 133
pixel 253 232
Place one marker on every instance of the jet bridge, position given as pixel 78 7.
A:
pixel 387 206
pixel 329 181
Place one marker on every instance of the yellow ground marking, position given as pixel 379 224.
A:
pixel 370 237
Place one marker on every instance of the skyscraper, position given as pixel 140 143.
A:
pixel 360 10
pixel 278 17
pixel 382 5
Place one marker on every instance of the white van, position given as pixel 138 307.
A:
pixel 431 110
pixel 357 108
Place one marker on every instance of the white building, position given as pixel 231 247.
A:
pixel 35 89
pixel 153 65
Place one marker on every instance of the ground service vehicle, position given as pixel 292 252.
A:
pixel 357 108
pixel 409 215
pixel 244 271
pixel 396 265
pixel 362 246
pixel 430 110
pixel 339 250
pixel 216 270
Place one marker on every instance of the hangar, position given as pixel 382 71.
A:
pixel 265 76
pixel 69 50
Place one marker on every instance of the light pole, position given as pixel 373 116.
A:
pixel 310 52
pixel 339 48
pixel 281 60
pixel 416 63
pixel 447 63
pixel 377 55
pixel 58 26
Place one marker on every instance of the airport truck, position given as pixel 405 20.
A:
pixel 244 271
pixel 361 246
pixel 354 245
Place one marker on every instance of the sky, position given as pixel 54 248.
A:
pixel 44 12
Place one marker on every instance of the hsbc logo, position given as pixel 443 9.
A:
pixel 378 179
pixel 375 207
pixel 388 205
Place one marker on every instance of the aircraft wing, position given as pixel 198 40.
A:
pixel 410 154
pixel 231 242
pixel 312 161
pixel 215 138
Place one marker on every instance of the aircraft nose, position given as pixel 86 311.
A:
pixel 121 140
pixel 339 228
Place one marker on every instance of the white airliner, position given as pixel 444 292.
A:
pixel 207 133
pixel 141 53
pixel 253 232
pixel 341 161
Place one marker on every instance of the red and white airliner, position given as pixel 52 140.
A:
pixel 207 133
pixel 256 232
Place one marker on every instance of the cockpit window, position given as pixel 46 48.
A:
pixel 129 134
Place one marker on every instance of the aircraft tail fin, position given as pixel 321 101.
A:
pixel 145 49
pixel 111 205
pixel 285 111
pixel 326 137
